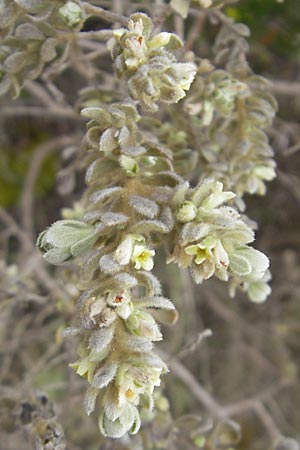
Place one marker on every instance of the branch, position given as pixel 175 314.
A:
pixel 27 197
pixel 103 13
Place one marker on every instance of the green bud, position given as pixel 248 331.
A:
pixel 129 165
pixel 187 212
pixel 66 239
pixel 71 14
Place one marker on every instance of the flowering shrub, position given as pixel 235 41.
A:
pixel 170 153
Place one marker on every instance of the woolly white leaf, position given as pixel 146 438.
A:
pixel 109 265
pixel 124 279
pixel 150 226
pixel 106 194
pixel 150 281
pixel 111 219
pixel 90 399
pixel 144 206
pixel 105 375
pixel 100 339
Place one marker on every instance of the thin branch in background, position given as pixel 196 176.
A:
pixel 28 194
pixel 103 13
pixel 195 31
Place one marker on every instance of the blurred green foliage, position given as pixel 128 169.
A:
pixel 273 25
pixel 14 163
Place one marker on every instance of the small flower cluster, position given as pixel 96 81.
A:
pixel 153 72
pixel 116 353
pixel 233 111
pixel 29 45
pixel 215 94
pixel 213 240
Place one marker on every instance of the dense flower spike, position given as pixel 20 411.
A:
pixel 213 240
pixel 137 199
pixel 231 110
pixel 153 72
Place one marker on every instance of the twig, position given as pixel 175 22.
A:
pixel 196 388
pixel 27 197
pixel 282 87
pixel 41 112
pixel 97 34
pixel 195 31
pixel 34 263
pixel 215 409
pixel 40 93
pixel 103 13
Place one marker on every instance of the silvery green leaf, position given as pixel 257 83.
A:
pixel 65 233
pixel 101 339
pixel 91 263
pixel 98 169
pixel 202 191
pixel 136 423
pixel 124 279
pixel 151 360
pixel 70 331
pixel 144 206
pixel 105 375
pixel 92 137
pixel 28 4
pixel 258 291
pixel 108 265
pixel 90 399
pixel 57 256
pixel 101 197
pixel 29 31
pixel 83 245
pixel 258 261
pixel 48 50
pixel 150 281
pixel 150 226
pixel 130 417
pixel 242 29
pixel 239 265
pixel 162 194
pixel 124 137
pixel 111 429
pixel 156 302
pixel 242 234
pixel 167 217
pixel 138 343
pixel 112 219
pixel 92 217
pixel 166 316
pixel 167 178
pixel 124 251
pixel 97 114
pixel 134 151
pixel 194 232
pixel 108 142
pixel 181 7
pixel 112 409
pixel 15 62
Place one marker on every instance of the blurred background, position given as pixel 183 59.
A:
pixel 252 360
